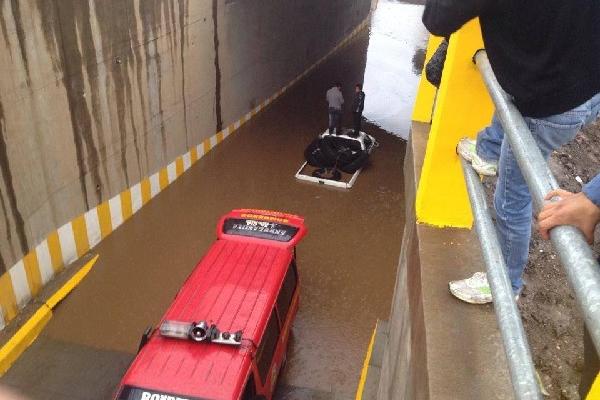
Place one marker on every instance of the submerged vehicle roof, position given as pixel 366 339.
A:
pixel 235 286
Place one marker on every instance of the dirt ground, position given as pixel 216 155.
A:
pixel 552 319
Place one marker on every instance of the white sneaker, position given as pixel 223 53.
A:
pixel 467 149
pixel 474 290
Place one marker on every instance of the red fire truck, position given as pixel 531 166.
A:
pixel 225 334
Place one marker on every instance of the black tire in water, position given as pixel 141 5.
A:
pixel 357 164
pixel 328 148
pixel 314 156
pixel 336 148
pixel 344 143
pixel 348 156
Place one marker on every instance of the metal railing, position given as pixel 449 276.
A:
pixel 522 371
pixel 576 255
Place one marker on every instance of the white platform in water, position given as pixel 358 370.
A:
pixel 301 175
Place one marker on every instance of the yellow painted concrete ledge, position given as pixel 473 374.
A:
pixel 26 335
pixel 365 368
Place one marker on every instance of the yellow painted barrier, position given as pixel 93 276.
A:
pixel 426 93
pixel 365 368
pixel 75 280
pixel 462 108
pixel 26 335
pixel 594 393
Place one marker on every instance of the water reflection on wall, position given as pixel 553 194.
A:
pixel 394 60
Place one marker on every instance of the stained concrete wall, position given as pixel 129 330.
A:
pixel 96 95
pixel 403 373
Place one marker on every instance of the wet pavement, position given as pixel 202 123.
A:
pixel 347 262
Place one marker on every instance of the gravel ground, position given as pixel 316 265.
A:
pixel 552 320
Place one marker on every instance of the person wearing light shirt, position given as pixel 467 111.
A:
pixel 335 99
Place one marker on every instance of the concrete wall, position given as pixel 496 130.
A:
pixel 404 367
pixel 97 95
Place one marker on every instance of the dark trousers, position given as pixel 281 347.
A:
pixel 335 121
pixel 357 122
pixel 591 365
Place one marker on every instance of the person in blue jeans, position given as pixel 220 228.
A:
pixel 581 210
pixel 546 56
pixel 492 155
pixel 335 100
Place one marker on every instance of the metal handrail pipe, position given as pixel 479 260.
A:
pixel 583 271
pixel 516 347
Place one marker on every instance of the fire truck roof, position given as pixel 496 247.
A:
pixel 235 286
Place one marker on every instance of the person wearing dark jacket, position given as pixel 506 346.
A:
pixel 546 56
pixel 358 105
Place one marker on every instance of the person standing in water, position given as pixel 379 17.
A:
pixel 357 108
pixel 335 99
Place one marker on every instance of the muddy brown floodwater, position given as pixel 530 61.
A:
pixel 347 262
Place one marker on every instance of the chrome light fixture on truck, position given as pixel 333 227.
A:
pixel 199 332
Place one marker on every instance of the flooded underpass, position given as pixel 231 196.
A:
pixel 347 262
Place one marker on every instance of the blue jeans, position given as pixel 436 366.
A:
pixel 335 121
pixel 512 199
